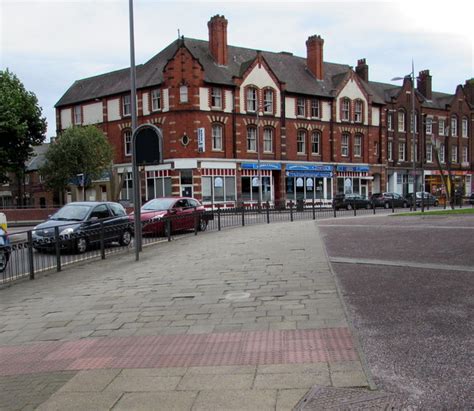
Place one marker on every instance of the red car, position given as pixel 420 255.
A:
pixel 180 211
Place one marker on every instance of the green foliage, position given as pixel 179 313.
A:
pixel 21 125
pixel 78 150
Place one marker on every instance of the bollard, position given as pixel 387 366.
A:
pixel 102 245
pixel 243 215
pixel 219 218
pixel 314 211
pixel 268 212
pixel 291 210
pixel 31 260
pixel 58 249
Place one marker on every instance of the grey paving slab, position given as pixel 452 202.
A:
pixel 75 401
pixel 236 400
pixel 173 401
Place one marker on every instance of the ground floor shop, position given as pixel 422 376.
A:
pixel 462 182
pixel 232 183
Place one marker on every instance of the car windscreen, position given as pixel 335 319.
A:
pixel 72 213
pixel 158 204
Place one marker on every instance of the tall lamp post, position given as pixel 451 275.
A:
pixel 258 160
pixel 412 122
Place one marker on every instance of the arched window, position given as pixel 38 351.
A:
pixel 358 111
pixel 454 126
pixel 252 99
pixel 346 109
pixel 268 140
pixel 252 139
pixel 268 101
pixel 127 141
pixel 315 142
pixel 217 133
pixel 301 142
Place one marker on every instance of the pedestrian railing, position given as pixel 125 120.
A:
pixel 31 254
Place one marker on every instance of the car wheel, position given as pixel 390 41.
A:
pixel 202 225
pixel 387 205
pixel 349 206
pixel 81 245
pixel 125 238
pixel 3 261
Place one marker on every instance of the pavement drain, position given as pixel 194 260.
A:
pixel 237 296
pixel 331 398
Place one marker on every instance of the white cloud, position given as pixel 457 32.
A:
pixel 50 44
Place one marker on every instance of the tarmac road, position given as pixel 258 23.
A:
pixel 408 286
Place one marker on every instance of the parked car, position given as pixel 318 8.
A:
pixel 471 199
pixel 349 201
pixel 423 196
pixel 80 225
pixel 386 200
pixel 5 248
pixel 180 211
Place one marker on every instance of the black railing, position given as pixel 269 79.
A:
pixel 33 252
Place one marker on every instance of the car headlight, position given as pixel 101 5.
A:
pixel 33 232
pixel 67 231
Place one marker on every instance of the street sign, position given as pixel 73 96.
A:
pixel 201 132
pixel 148 145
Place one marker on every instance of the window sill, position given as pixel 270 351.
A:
pixel 158 110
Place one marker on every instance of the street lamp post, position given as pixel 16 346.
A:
pixel 412 75
pixel 258 161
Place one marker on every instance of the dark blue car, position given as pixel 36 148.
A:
pixel 83 224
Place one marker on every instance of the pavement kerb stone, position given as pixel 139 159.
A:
pixel 355 335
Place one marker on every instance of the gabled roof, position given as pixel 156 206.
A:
pixel 289 69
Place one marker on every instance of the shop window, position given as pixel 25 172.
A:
pixel 158 187
pixel 127 187
pixel 250 186
pixel 218 189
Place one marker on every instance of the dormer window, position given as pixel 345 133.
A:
pixel 183 94
pixel 358 111
pixel 77 115
pixel 251 99
pixel 216 97
pixel 156 100
pixel 126 105
pixel 346 110
pixel 300 109
pixel 268 101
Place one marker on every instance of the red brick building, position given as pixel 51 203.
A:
pixel 318 128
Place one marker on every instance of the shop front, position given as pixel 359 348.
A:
pixel 353 180
pixel 308 183
pixel 462 182
pixel 250 176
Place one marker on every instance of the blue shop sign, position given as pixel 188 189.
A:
pixel 358 169
pixel 263 166
pixel 309 173
pixel 308 167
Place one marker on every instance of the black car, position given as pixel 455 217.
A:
pixel 83 224
pixel 350 201
pixel 389 200
pixel 423 197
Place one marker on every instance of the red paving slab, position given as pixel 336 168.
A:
pixel 239 348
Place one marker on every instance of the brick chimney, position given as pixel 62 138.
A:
pixel 424 84
pixel 469 90
pixel 218 39
pixel 362 70
pixel 314 56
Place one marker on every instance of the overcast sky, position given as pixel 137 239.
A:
pixel 50 44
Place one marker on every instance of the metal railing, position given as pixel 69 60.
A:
pixel 31 254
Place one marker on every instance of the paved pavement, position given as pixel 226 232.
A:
pixel 247 318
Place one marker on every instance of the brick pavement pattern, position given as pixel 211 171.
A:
pixel 255 310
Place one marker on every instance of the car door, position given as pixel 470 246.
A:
pixel 118 221
pixel 99 219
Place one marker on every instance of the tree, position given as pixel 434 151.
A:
pixel 78 150
pixel 21 128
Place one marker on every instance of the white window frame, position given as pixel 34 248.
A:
pixel 268 140
pixel 390 151
pixel 316 141
pixel 429 153
pixel 454 126
pixel 441 151
pixel 127 105
pixel 216 97
pixel 464 127
pixel 345 145
pixel 268 96
pixel 183 93
pixel 127 140
pixel 390 121
pixel 401 121
pixel 358 107
pixel 454 154
pixel 315 108
pixel 301 107
pixel 77 115
pixel 217 137
pixel 465 154
pixel 345 109
pixel 401 151
pixel 357 149
pixel 252 139
pixel 156 99
pixel 251 99
pixel 301 142
pixel 429 125
pixel 441 126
